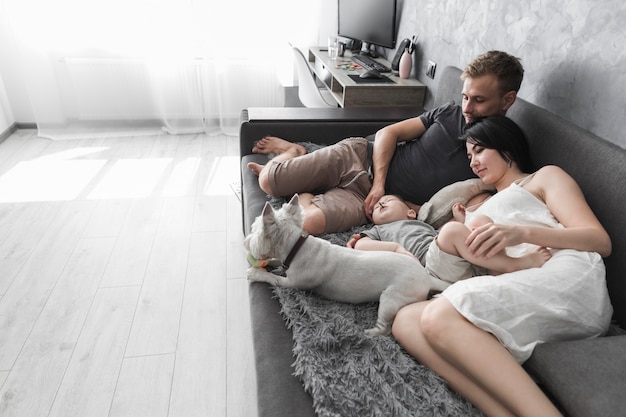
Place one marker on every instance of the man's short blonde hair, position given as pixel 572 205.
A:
pixel 507 68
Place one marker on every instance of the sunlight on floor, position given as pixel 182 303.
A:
pixel 130 178
pixel 182 178
pixel 224 171
pixel 47 180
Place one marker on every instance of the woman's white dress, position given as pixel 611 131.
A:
pixel 565 299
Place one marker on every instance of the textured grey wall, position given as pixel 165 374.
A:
pixel 574 51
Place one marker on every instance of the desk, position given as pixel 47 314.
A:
pixel 348 93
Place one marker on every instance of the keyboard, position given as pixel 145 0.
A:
pixel 369 64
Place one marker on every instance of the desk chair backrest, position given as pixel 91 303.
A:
pixel 308 92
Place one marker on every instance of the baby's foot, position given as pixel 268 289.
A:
pixel 537 258
pixel 272 144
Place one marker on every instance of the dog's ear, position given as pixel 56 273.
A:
pixel 295 210
pixel 295 200
pixel 294 207
pixel 267 209
pixel 268 214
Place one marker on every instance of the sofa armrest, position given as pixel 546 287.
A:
pixel 323 126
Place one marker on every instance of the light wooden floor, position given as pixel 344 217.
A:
pixel 122 289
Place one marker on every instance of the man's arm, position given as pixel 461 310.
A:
pixel 385 144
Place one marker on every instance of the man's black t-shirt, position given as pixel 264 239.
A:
pixel 423 166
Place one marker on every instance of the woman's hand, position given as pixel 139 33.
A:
pixel 489 239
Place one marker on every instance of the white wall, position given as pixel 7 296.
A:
pixel 573 51
pixel 14 101
pixel 6 115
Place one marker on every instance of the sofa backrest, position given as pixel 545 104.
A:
pixel 449 87
pixel 597 165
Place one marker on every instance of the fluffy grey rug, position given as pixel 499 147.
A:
pixel 349 374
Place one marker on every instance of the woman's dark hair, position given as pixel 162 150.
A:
pixel 503 135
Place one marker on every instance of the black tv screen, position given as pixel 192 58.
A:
pixel 372 22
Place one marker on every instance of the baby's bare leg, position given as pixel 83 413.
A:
pixel 478 220
pixel 451 239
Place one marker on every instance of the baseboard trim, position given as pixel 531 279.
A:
pixel 26 125
pixel 8 132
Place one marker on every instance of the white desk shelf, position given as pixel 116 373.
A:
pixel 349 93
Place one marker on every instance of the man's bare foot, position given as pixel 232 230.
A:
pixel 272 144
pixel 255 168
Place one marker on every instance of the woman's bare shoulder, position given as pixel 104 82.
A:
pixel 550 169
pixel 548 179
pixel 551 173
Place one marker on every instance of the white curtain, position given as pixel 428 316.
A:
pixel 126 67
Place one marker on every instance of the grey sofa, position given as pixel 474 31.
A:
pixel 585 378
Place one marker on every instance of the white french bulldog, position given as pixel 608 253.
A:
pixel 336 272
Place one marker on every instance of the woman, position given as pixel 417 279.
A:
pixel 480 331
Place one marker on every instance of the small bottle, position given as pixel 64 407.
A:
pixel 406 63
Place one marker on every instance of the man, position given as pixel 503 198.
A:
pixel 339 185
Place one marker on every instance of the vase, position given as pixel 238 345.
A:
pixel 406 63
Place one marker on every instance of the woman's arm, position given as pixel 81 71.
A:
pixel 385 144
pixel 567 203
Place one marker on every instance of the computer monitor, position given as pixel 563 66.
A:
pixel 373 22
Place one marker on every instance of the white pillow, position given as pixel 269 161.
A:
pixel 438 210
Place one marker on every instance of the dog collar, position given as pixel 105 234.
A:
pixel 295 249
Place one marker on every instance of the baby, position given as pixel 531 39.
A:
pixel 396 229
pixel 448 256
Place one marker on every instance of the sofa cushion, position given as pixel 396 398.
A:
pixel 449 87
pixel 586 377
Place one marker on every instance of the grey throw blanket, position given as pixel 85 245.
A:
pixel 350 374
